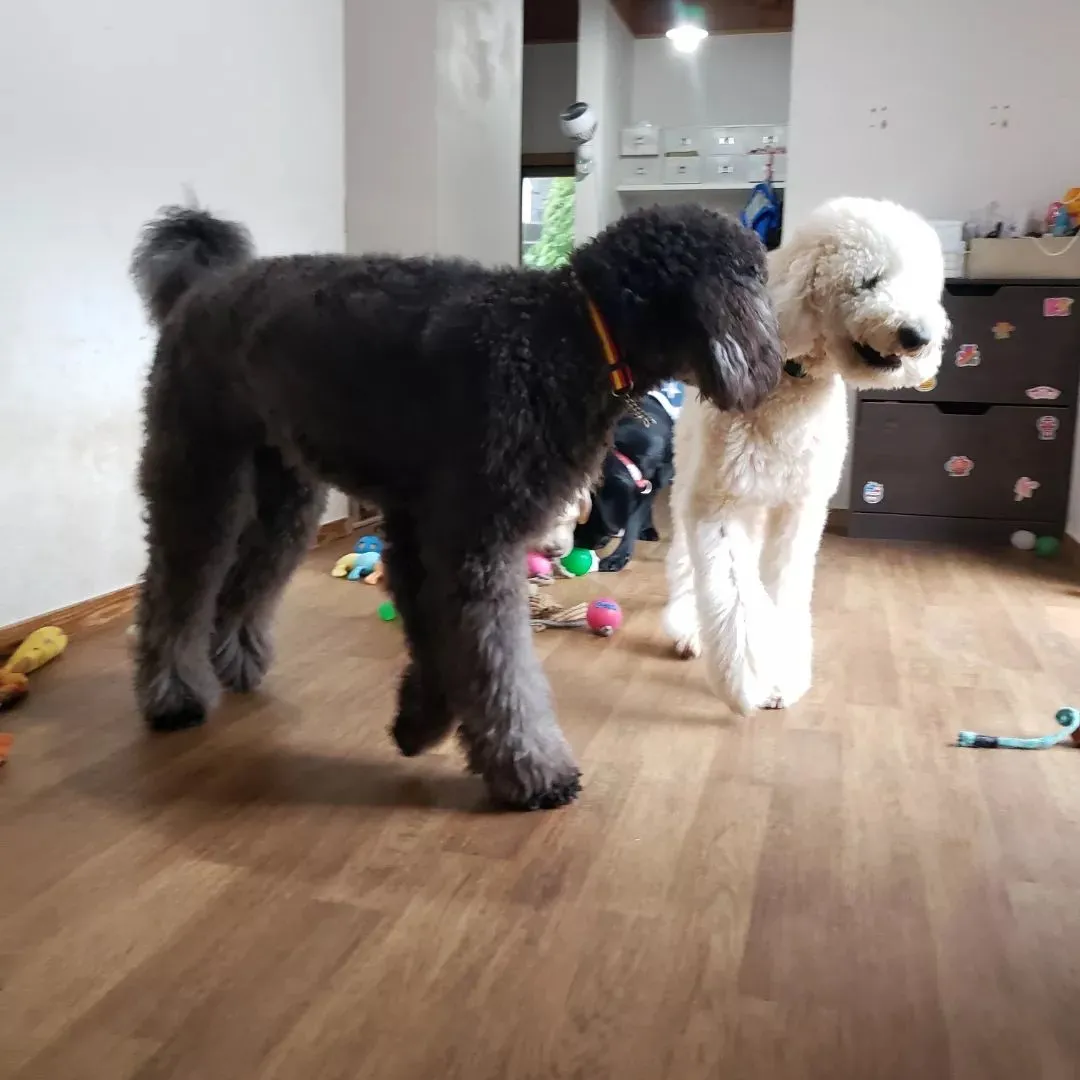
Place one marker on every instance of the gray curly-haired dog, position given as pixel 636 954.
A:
pixel 468 402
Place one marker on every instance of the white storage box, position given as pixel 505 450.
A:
pixel 682 169
pixel 723 169
pixel 644 171
pixel 641 140
pixel 681 140
pixel 1025 257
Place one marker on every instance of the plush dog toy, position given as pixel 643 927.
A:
pixel 363 563
pixel 36 651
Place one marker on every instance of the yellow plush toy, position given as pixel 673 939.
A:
pixel 36 651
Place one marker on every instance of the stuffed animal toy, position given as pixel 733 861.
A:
pixel 363 563
pixel 36 651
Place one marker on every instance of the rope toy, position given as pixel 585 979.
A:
pixel 1068 718
pixel 602 617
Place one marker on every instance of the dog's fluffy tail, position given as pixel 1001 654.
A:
pixel 178 248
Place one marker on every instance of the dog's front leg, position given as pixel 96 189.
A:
pixel 625 551
pixel 681 614
pixel 424 717
pixel 788 562
pixel 496 685
pixel 737 616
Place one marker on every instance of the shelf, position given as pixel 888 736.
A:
pixel 734 185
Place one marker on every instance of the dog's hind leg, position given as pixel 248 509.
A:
pixel 424 717
pixel 288 505
pixel 198 501
pixel 494 678
pixel 681 614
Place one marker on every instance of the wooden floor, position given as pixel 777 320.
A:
pixel 834 892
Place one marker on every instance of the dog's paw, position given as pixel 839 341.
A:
pixel 688 648
pixel 538 773
pixel 649 534
pixel 241 659
pixel 612 564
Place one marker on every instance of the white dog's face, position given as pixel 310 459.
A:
pixel 558 539
pixel 858 292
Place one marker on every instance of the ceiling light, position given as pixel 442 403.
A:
pixel 686 37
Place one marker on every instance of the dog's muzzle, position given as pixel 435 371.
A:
pixel 872 358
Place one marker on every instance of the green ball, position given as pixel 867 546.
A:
pixel 578 561
pixel 387 611
pixel 1047 546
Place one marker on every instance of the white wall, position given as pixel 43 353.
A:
pixel 433 127
pixel 106 110
pixel 549 84
pixel 937 68
pixel 731 79
pixel 605 59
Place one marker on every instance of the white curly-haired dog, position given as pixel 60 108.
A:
pixel 857 290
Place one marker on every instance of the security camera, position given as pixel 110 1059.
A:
pixel 578 122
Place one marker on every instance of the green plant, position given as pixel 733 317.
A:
pixel 557 228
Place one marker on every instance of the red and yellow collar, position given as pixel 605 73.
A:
pixel 622 382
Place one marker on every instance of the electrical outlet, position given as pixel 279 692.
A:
pixel 1000 115
pixel 879 116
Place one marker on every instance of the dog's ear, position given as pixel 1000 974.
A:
pixel 792 270
pixel 584 506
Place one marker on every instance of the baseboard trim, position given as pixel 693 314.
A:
pixel 90 615
pixel 76 619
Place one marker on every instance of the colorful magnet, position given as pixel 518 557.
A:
pixel 1047 427
pixel 1057 307
pixel 926 387
pixel 1043 393
pixel 873 492
pixel 1003 330
pixel 968 356
pixel 959 466
pixel 1025 487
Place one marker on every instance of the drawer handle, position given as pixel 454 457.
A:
pixel 962 408
pixel 970 288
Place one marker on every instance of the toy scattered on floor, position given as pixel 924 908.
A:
pixel 580 561
pixel 1044 546
pixel 539 568
pixel 1023 540
pixel 386 611
pixel 1068 718
pixel 1047 546
pixel 363 563
pixel 602 617
pixel 36 650
pixel 5 745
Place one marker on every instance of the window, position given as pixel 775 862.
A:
pixel 547 220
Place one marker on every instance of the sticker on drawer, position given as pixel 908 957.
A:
pixel 928 385
pixel 968 356
pixel 1047 427
pixel 1003 331
pixel 1025 487
pixel 873 492
pixel 1043 393
pixel 959 466
pixel 1057 307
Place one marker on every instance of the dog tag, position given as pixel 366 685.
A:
pixel 1047 427
pixel 959 465
pixel 1003 330
pixel 1025 487
pixel 873 492
pixel 1043 393
pixel 968 356
pixel 1057 307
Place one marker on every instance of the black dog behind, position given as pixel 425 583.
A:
pixel 467 402
pixel 639 465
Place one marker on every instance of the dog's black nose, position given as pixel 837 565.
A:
pixel 912 338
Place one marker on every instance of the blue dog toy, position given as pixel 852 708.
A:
pixel 1069 719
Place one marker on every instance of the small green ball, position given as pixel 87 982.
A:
pixel 1047 546
pixel 578 561
pixel 387 611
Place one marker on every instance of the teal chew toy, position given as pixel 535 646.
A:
pixel 1069 719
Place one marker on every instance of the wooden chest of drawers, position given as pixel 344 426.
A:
pixel 988 449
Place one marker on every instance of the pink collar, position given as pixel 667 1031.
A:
pixel 643 485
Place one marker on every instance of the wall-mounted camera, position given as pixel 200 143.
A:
pixel 584 157
pixel 578 122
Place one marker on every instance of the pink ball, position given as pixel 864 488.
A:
pixel 538 565
pixel 604 617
